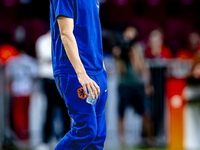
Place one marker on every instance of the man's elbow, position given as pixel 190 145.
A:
pixel 66 35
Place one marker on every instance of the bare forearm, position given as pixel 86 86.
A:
pixel 71 49
pixel 66 26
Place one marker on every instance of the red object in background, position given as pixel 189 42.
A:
pixel 20 117
pixel 199 47
pixel 185 54
pixel 176 104
pixel 165 53
pixel 6 52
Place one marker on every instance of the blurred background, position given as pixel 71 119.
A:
pixel 152 56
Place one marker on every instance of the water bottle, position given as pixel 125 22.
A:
pixel 91 101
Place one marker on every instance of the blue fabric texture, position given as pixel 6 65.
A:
pixel 88 130
pixel 87 32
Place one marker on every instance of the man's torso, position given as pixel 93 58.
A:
pixel 87 32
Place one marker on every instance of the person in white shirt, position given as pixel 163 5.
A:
pixel 55 104
pixel 21 71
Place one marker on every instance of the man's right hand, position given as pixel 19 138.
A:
pixel 89 84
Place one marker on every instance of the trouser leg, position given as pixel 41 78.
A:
pixel 83 132
pixel 20 115
pixel 98 142
pixel 89 127
pixel 84 127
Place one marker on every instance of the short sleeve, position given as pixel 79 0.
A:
pixel 63 8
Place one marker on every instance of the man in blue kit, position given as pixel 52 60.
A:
pixel 79 72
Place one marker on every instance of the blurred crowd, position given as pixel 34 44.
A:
pixel 143 69
pixel 146 49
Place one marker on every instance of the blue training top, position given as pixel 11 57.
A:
pixel 87 32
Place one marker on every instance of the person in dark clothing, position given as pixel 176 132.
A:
pixel 131 87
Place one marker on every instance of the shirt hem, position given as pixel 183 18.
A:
pixel 67 71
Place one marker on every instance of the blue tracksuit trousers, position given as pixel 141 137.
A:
pixel 88 130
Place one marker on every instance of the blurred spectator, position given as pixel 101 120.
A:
pixel 131 88
pixel 21 71
pixel 191 50
pixel 56 108
pixel 156 47
pixel 157 52
pixel 181 67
